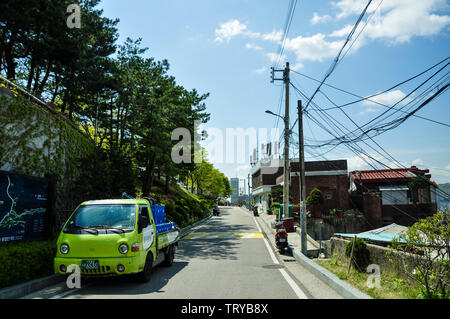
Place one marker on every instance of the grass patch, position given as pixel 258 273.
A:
pixel 390 287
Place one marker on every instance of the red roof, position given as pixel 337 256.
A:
pixel 395 174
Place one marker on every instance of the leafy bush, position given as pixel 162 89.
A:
pixel 26 261
pixel 427 262
pixel 275 206
pixel 315 197
pixel 361 254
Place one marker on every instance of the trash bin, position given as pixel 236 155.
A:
pixel 280 213
pixel 288 224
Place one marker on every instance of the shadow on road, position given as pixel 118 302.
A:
pixel 214 248
pixel 129 285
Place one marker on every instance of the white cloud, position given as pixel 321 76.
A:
pixel 418 162
pixel 313 48
pixel 272 36
pixel 395 21
pixel 229 29
pixel 260 70
pixel 341 32
pixel 234 28
pixel 358 162
pixel 319 19
pixel 352 7
pixel 368 110
pixel 253 47
pixel 274 57
pixel 398 20
pixel 388 98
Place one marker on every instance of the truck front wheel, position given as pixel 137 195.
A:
pixel 146 274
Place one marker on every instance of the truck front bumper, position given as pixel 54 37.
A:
pixel 107 266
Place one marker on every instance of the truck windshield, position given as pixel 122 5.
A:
pixel 103 217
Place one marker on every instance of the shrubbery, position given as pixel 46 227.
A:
pixel 24 261
pixel 361 254
pixel 185 209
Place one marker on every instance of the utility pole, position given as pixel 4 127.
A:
pixel 286 170
pixel 286 145
pixel 301 180
pixel 248 189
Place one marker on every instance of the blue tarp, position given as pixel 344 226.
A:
pixel 386 238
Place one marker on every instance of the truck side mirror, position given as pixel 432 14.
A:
pixel 143 222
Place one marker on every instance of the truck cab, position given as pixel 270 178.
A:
pixel 116 237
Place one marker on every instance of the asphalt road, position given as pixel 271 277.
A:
pixel 228 257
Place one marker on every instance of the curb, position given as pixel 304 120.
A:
pixel 184 231
pixel 344 289
pixel 29 287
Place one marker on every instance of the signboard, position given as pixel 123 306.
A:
pixel 23 207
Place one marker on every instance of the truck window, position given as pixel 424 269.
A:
pixel 143 211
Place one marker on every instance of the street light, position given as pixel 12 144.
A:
pixel 270 112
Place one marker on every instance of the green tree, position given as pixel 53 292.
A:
pixel 422 254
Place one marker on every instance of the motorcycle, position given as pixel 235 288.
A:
pixel 255 211
pixel 216 211
pixel 281 237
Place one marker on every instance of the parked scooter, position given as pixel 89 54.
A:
pixel 255 211
pixel 216 211
pixel 281 237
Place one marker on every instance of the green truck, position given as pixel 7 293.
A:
pixel 116 237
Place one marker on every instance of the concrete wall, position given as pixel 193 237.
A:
pixel 37 142
pixel 378 255
pixel 333 224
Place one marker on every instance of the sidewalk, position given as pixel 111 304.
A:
pixel 294 238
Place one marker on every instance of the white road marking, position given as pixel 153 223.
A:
pixel 300 294
pixel 297 290
pixel 70 291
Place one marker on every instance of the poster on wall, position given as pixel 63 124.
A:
pixel 23 207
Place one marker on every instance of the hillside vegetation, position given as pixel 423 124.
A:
pixel 182 206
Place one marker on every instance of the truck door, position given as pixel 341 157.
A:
pixel 148 234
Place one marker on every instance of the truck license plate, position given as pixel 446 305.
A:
pixel 90 265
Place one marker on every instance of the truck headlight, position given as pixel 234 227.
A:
pixel 64 249
pixel 123 248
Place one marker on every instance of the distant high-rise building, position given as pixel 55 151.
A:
pixel 234 183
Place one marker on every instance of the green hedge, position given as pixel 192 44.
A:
pixel 24 261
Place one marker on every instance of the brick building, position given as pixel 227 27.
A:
pixel 385 197
pixel 331 177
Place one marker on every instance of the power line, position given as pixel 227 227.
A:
pixel 355 148
pixel 365 98
pixel 287 25
pixel 382 127
pixel 336 60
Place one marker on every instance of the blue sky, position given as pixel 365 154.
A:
pixel 226 48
